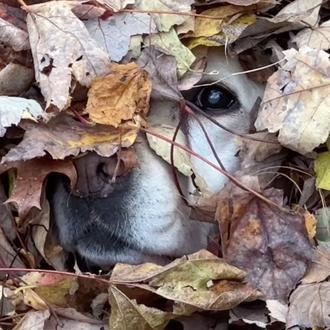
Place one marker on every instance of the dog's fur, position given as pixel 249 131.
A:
pixel 144 218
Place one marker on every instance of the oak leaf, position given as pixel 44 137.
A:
pixel 297 100
pixel 119 96
pixel 27 189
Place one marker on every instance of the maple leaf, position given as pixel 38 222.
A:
pixel 27 189
pixel 61 48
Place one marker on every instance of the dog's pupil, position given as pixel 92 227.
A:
pixel 214 96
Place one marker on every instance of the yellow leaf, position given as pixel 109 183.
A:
pixel 322 170
pixel 120 95
pixel 170 42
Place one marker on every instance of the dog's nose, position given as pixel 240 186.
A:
pixel 97 175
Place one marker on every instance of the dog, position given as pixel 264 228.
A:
pixel 143 218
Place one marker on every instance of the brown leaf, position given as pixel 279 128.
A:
pixel 270 244
pixel 63 136
pixel 127 314
pixel 319 269
pixel 62 49
pixel 119 96
pixel 28 184
pixel 309 306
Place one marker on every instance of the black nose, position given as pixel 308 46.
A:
pixel 97 175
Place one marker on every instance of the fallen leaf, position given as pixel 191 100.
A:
pixel 233 2
pixel 314 37
pixel 309 306
pixel 11 87
pixel 7 221
pixel 322 170
pixel 14 109
pixel 163 148
pixel 117 5
pixel 162 70
pixel 306 12
pixel 33 320
pixel 13 36
pixel 119 96
pixel 28 184
pixel 198 281
pixel 62 49
pixel 277 310
pixel 270 244
pixel 171 44
pixel 64 136
pixel 323 226
pixel 114 34
pixel 165 22
pixel 319 269
pixel 127 314
pixel 295 106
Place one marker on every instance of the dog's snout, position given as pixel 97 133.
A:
pixel 97 175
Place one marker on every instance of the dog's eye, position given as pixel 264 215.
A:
pixel 215 98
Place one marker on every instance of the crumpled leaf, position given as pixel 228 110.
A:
pixel 309 306
pixel 295 106
pixel 62 48
pixel 28 184
pixel 171 44
pixel 317 37
pixel 127 314
pixel 114 34
pixel 64 136
pixel 306 12
pixel 119 96
pixel 198 281
pixel 14 109
pixel 233 2
pixel 270 244
pixel 13 36
pixel 162 70
pixel 165 22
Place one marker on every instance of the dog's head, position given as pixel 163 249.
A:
pixel 143 217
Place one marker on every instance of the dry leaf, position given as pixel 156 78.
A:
pixel 165 22
pixel 64 136
pixel 14 109
pixel 114 34
pixel 162 70
pixel 309 306
pixel 116 5
pixel 62 49
pixel 315 37
pixel 119 96
pixel 28 184
pixel 13 36
pixel 197 281
pixel 127 314
pixel 295 106
pixel 171 44
pixel 319 269
pixel 271 245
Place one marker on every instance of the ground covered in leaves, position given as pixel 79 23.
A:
pixel 62 68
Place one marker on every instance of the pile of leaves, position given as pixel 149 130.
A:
pixel 71 81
